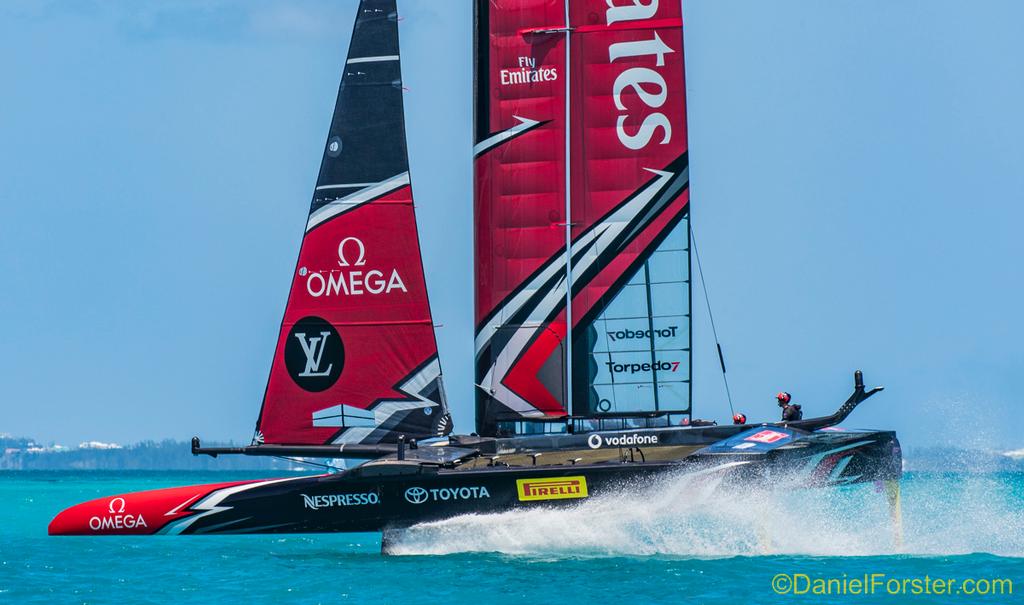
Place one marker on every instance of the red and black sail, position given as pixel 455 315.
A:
pixel 356 358
pixel 581 208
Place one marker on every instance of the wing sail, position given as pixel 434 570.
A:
pixel 581 184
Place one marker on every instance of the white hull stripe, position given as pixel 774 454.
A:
pixel 812 462
pixel 211 504
pixel 350 202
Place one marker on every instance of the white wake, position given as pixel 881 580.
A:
pixel 695 516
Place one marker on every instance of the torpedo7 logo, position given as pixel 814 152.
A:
pixel 628 334
pixel 644 368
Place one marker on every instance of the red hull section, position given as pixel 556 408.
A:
pixel 139 513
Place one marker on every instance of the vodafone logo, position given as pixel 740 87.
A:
pixel 596 441
pixel 349 279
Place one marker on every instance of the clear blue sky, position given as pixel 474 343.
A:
pixel 857 197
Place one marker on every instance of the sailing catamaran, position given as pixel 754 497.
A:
pixel 583 289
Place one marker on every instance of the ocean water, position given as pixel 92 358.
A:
pixel 683 542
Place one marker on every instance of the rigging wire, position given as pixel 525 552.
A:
pixel 707 300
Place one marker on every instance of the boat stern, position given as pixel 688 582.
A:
pixel 828 456
pixel 839 456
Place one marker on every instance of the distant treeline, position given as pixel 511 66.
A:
pixel 146 455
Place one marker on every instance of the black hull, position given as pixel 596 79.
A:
pixel 393 494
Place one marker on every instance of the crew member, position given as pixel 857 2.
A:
pixel 739 418
pixel 790 411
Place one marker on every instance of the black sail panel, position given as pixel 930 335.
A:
pixel 366 143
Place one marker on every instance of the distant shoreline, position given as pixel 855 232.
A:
pixel 23 454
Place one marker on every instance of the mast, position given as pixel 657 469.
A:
pixel 568 206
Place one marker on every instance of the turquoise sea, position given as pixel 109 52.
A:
pixel 679 545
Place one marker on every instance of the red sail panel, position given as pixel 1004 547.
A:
pixel 629 99
pixel 356 358
pixel 520 206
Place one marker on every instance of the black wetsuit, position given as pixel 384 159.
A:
pixel 792 412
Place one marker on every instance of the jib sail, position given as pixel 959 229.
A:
pixel 582 243
pixel 356 358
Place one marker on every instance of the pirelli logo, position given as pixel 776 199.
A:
pixel 555 488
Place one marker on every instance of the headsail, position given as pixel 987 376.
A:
pixel 356 358
pixel 581 184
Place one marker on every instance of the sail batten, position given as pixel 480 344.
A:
pixel 356 359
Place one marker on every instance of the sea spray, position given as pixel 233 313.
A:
pixel 697 516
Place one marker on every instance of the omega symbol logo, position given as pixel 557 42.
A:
pixel 357 247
